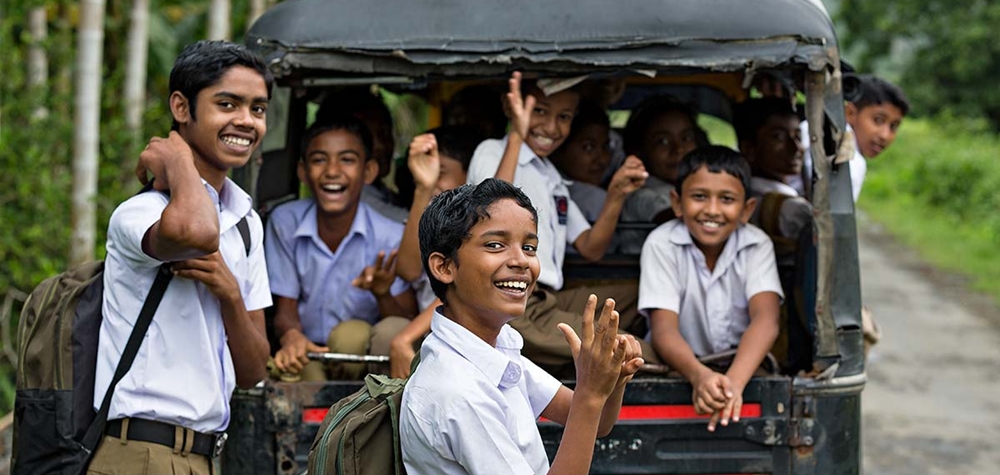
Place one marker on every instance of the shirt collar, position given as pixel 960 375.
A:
pixel 739 240
pixel 495 363
pixel 767 185
pixel 230 198
pixel 308 226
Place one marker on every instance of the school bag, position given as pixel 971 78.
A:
pixel 56 429
pixel 360 433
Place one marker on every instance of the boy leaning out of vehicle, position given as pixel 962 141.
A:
pixel 709 281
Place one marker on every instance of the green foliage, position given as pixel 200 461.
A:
pixel 936 188
pixel 955 56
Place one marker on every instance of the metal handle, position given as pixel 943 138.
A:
pixel 347 358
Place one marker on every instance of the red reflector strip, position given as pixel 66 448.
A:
pixel 628 413
pixel 672 411
pixel 314 415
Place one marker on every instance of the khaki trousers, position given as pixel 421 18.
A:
pixel 356 337
pixel 120 456
pixel 546 346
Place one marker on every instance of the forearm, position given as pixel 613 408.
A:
pixel 576 450
pixel 754 345
pixel 390 306
pixel 420 326
pixel 593 243
pixel 408 265
pixel 678 355
pixel 285 319
pixel 190 219
pixel 247 341
pixel 508 164
pixel 612 408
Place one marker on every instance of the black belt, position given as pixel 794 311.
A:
pixel 144 430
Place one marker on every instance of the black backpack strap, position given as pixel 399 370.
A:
pixel 96 430
pixel 244 229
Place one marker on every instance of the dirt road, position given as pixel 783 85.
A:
pixel 932 403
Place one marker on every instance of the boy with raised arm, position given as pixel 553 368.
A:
pixel 478 246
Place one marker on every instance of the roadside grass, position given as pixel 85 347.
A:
pixel 937 189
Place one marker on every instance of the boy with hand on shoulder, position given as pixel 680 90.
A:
pixel 478 244
pixel 709 281
pixel 320 251
pixel 539 124
pixel 207 334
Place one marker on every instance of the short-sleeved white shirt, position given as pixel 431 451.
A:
pixel 796 212
pixel 712 306
pixel 471 408
pixel 183 373
pixel 560 221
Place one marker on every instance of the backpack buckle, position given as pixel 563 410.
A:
pixel 220 444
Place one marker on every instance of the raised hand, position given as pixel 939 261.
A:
pixel 598 352
pixel 378 278
pixel 155 160
pixel 424 161
pixel 518 107
pixel 630 177
pixel 633 361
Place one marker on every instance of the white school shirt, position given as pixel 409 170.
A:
pixel 796 212
pixel 471 408
pixel 712 306
pixel 183 373
pixel 858 165
pixel 560 220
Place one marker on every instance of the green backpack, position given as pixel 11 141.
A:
pixel 360 433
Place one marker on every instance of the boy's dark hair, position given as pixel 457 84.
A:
pixel 448 220
pixel 649 111
pixel 717 159
pixel 588 113
pixel 345 122
pixel 865 90
pixel 751 114
pixel 203 64
pixel 457 142
pixel 354 101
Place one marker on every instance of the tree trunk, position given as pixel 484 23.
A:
pixel 257 8
pixel 218 20
pixel 38 61
pixel 87 116
pixel 135 68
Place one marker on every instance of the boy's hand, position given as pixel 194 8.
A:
pixel 291 358
pixel 378 278
pixel 633 359
pixel 518 108
pixel 712 391
pixel 731 411
pixel 424 161
pixel 599 354
pixel 158 155
pixel 212 271
pixel 630 177
pixel 400 357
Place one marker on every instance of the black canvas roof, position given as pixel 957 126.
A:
pixel 491 37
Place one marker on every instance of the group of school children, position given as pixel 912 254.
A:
pixel 464 264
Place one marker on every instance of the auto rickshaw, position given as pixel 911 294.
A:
pixel 707 52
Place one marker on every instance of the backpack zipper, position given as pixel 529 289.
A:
pixel 321 457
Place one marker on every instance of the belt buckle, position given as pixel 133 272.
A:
pixel 220 444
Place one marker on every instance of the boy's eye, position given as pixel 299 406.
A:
pixel 260 110
pixel 698 196
pixel 493 245
pixel 728 199
pixel 227 105
pixel 529 248
pixel 879 120
pixel 566 117
pixel 663 142
pixel 539 111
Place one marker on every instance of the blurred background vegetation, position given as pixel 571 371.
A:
pixel 935 187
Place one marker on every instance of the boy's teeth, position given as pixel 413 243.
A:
pixel 332 188
pixel 513 285
pixel 545 141
pixel 710 224
pixel 236 141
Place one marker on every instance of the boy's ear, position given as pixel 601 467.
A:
pixel 852 112
pixel 441 268
pixel 748 208
pixel 180 107
pixel 675 202
pixel 371 171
